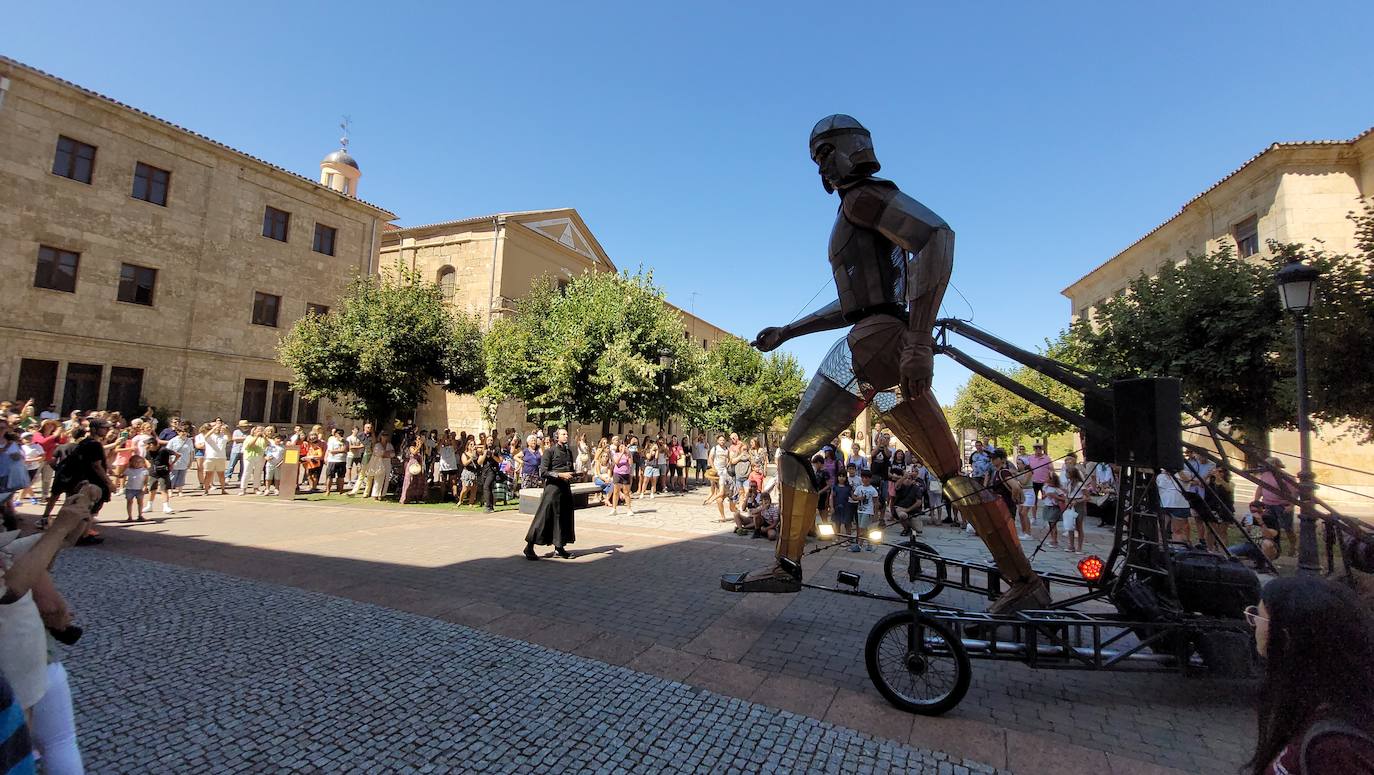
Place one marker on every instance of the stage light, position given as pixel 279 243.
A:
pixel 1091 567
pixel 825 530
pixel 876 535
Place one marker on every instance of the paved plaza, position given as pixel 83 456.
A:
pixel 192 671
pixel 350 625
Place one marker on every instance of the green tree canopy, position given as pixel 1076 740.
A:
pixel 379 349
pixel 994 411
pixel 606 347
pixel 740 389
pixel 1215 322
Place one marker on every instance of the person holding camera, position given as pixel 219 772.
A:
pixel 32 615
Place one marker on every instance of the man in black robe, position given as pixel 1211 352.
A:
pixel 553 520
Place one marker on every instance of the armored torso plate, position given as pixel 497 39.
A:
pixel 870 271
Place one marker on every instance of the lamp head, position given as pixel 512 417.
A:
pixel 1297 286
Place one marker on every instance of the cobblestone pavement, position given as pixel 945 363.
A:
pixel 647 596
pixel 190 671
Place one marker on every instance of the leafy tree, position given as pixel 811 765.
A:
pixel 605 347
pixel 1211 321
pixel 1215 322
pixel 997 412
pixel 1340 330
pixel 380 348
pixel 740 389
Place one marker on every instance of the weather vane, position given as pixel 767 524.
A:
pixel 344 126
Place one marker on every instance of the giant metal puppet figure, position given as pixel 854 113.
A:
pixel 891 258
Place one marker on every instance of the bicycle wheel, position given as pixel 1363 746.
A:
pixel 917 663
pixel 912 575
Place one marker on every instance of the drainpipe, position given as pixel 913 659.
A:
pixel 496 223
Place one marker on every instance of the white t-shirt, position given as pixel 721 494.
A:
pixel 215 444
pixel 1170 497
pixel 239 436
pixel 865 493
pixel 33 456
pixel 335 450
pixel 275 452
pixel 1048 493
pixel 721 458
pixel 699 450
pixel 136 478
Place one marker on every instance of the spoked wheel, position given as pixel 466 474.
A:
pixel 917 663
pixel 910 574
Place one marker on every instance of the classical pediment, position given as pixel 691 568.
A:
pixel 564 232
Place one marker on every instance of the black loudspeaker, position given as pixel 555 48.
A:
pixel 1149 430
pixel 1098 444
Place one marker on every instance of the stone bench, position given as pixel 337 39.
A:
pixel 583 492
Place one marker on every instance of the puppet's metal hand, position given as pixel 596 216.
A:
pixel 768 339
pixel 918 364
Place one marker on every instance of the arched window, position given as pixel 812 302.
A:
pixel 447 279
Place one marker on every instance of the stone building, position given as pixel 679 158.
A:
pixel 1289 192
pixel 150 264
pixel 484 264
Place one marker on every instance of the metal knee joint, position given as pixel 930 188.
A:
pixel 795 471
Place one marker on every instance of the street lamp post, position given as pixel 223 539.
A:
pixel 1297 290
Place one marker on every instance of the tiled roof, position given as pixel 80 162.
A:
pixel 1272 147
pixel 15 63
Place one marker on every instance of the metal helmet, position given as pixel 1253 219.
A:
pixel 852 157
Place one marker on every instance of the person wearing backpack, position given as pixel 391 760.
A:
pixel 1316 706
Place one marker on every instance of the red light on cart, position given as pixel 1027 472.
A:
pixel 1090 567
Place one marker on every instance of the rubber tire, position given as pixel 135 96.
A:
pixel 962 664
pixel 890 571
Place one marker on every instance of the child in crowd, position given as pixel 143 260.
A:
pixel 866 498
pixel 275 452
pixel 766 517
pixel 135 478
pixel 936 496
pixel 1053 502
pixel 163 457
pixel 823 495
pixel 33 461
pixel 844 516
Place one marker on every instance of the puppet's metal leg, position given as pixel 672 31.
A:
pixel 829 405
pixel 921 425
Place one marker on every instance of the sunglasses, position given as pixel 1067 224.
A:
pixel 1252 615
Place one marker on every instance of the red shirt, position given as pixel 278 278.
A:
pixel 48 443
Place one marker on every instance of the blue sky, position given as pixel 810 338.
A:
pixel 1049 135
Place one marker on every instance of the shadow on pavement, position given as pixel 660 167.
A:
pixel 661 609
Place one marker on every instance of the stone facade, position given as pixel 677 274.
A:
pixel 195 344
pixel 493 260
pixel 1290 192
